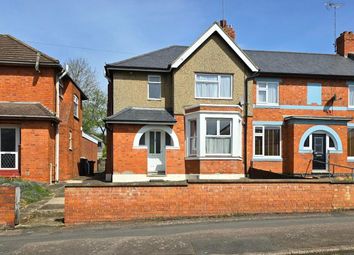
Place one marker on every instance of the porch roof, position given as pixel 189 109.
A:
pixel 26 110
pixel 307 119
pixel 133 115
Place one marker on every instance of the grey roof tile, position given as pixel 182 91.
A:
pixel 159 59
pixel 302 63
pixel 267 61
pixel 25 110
pixel 134 115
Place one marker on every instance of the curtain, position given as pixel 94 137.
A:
pixel 272 142
pixel 218 145
pixel 225 86
pixel 207 89
pixel 351 96
pixel 272 93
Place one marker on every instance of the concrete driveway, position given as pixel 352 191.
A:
pixel 296 234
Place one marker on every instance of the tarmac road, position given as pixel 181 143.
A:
pixel 277 234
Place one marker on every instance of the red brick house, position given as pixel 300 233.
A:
pixel 213 111
pixel 40 115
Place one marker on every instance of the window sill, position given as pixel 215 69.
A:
pixel 214 98
pixel 267 159
pixel 154 99
pixel 350 108
pixel 77 118
pixel 212 158
pixel 350 159
pixel 275 106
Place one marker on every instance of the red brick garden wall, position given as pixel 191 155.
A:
pixel 115 203
pixel 7 206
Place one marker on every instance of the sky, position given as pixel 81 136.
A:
pixel 106 31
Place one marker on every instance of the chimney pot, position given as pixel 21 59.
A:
pixel 228 29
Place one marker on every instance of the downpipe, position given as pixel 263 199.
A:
pixel 57 114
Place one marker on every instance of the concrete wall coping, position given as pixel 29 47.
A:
pixel 186 183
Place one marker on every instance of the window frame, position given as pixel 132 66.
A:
pixel 70 140
pixel 351 86
pixel 17 144
pixel 266 90
pixel 218 82
pixel 76 106
pixel 218 135
pixel 189 137
pixel 153 82
pixel 262 156
pixel 328 148
pixel 351 158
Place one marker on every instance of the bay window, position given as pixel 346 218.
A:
pixel 192 139
pixel 213 86
pixel 267 92
pixel 9 141
pixel 267 141
pixel 213 135
pixel 218 136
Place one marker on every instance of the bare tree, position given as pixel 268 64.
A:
pixel 94 109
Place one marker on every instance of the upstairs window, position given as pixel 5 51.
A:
pixel 350 142
pixel 351 96
pixel 213 86
pixel 154 87
pixel 76 106
pixel 267 93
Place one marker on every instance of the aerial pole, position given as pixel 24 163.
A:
pixel 334 6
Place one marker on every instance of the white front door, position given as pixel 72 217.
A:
pixel 156 152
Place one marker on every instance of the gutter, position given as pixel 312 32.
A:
pixel 57 114
pixel 245 142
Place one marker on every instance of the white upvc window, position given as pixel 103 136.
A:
pixel 154 87
pixel 268 92
pixel 192 138
pixel 267 141
pixel 9 142
pixel 76 106
pixel 351 96
pixel 213 86
pixel 330 144
pixel 213 135
pixel 218 140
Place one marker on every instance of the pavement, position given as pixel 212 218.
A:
pixel 271 234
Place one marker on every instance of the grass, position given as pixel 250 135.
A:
pixel 30 191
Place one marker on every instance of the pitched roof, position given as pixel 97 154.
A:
pixel 302 63
pixel 142 115
pixel 14 50
pixel 25 110
pixel 159 59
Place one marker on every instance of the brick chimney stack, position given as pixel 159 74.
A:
pixel 345 44
pixel 228 29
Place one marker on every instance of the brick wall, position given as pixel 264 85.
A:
pixel 24 84
pixel 89 150
pixel 69 159
pixel 115 203
pixel 293 161
pixel 7 206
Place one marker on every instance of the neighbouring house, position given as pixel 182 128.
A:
pixel 40 115
pixel 214 111
pixel 90 148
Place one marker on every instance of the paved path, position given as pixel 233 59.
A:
pixel 243 235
